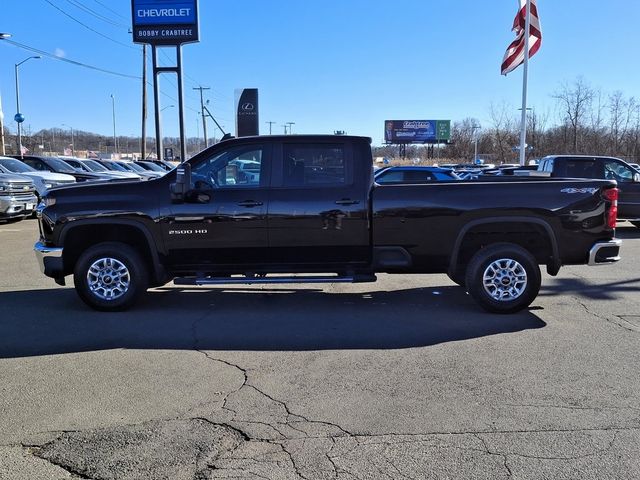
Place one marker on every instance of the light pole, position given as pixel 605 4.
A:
pixel 19 118
pixel 73 150
pixel 475 142
pixel 2 37
pixel 164 108
pixel 290 129
pixel 113 109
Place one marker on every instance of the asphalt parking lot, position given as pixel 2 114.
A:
pixel 401 379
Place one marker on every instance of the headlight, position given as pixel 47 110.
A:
pixel 4 188
pixel 49 201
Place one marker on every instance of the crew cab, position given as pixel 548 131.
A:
pixel 610 168
pixel 313 214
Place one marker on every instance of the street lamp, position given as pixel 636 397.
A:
pixel 73 150
pixel 475 141
pixel 19 118
pixel 113 108
pixel 168 106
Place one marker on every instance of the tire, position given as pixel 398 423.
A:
pixel 110 276
pixel 503 278
pixel 636 224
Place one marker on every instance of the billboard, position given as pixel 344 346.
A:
pixel 165 22
pixel 247 121
pixel 417 131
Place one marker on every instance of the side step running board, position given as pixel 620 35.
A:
pixel 275 279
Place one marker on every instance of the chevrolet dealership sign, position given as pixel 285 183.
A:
pixel 165 22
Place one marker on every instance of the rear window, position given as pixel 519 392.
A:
pixel 314 165
pixel 579 169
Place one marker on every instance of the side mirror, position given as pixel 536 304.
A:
pixel 636 177
pixel 183 183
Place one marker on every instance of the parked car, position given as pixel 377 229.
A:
pixel 56 165
pixel 609 168
pixel 138 170
pixel 87 165
pixel 42 180
pixel 17 197
pixel 151 166
pixel 117 167
pixel 414 174
pixel 316 215
pixel 164 164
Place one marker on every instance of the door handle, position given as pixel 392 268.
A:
pixel 347 201
pixel 250 203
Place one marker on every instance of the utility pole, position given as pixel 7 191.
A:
pixel 285 128
pixel 270 124
pixel 290 129
pixel 143 140
pixel 204 118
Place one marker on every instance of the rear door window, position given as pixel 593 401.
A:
pixel 317 165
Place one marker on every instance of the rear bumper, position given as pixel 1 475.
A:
pixel 49 260
pixel 604 253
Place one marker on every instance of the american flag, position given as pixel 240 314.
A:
pixel 514 55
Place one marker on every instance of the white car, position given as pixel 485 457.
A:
pixel 42 180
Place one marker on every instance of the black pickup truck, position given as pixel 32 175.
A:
pixel 284 209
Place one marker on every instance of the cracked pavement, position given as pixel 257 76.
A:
pixel 401 379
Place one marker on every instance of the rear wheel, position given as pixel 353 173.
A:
pixel 503 278
pixel 110 276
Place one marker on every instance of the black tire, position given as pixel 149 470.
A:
pixel 110 276
pixel 513 278
pixel 636 224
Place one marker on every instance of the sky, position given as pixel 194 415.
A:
pixel 324 65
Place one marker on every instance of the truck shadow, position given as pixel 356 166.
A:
pixel 46 322
pixel 580 287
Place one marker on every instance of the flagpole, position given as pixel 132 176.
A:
pixel 525 78
pixel 4 152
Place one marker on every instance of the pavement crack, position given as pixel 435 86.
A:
pixel 603 317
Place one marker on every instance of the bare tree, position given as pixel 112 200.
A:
pixel 574 101
pixel 503 131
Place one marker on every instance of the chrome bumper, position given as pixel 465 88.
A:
pixel 604 253
pixel 49 259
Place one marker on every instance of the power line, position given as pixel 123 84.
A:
pixel 68 60
pixel 96 14
pixel 110 9
pixel 88 27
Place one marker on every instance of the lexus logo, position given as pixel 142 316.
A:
pixel 247 107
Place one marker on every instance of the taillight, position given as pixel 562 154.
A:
pixel 611 194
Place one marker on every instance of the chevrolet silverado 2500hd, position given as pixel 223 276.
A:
pixel 310 211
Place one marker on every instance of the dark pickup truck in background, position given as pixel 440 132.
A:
pixel 308 210
pixel 609 168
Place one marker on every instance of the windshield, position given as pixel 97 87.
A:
pixel 16 166
pixel 60 166
pixel 133 167
pixel 94 166
pixel 115 166
pixel 152 166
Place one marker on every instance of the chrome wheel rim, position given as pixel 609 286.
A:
pixel 504 279
pixel 108 278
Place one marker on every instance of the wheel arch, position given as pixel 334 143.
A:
pixel 544 244
pixel 79 235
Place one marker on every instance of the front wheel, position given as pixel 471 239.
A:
pixel 503 278
pixel 110 276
